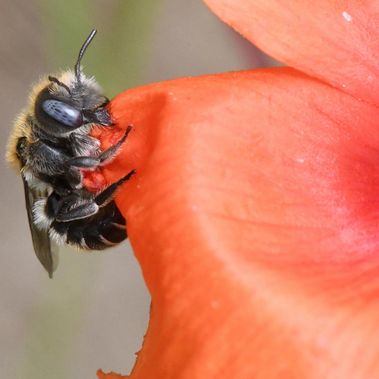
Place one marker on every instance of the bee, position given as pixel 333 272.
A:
pixel 51 146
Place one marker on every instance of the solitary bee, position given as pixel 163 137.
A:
pixel 51 146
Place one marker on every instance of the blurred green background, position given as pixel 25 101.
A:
pixel 94 313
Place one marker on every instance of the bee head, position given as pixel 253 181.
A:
pixel 69 100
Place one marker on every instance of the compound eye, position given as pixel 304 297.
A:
pixel 63 113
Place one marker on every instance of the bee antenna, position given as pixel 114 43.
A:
pixel 81 53
pixel 55 80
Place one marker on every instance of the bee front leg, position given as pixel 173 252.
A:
pixel 83 145
pixel 97 116
pixel 88 162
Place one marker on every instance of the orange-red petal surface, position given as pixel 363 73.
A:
pixel 254 214
pixel 334 40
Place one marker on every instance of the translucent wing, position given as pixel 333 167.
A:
pixel 42 245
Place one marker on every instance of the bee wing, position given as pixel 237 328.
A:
pixel 46 253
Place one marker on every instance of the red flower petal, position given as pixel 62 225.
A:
pixel 253 215
pixel 334 40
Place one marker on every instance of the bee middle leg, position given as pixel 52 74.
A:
pixel 74 207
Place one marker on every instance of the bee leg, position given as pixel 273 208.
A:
pixel 60 84
pixel 105 157
pixel 74 178
pixel 83 145
pixel 63 184
pixel 104 197
pixel 46 159
pixel 97 116
pixel 106 228
pixel 73 207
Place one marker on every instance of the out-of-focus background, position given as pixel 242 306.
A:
pixel 94 313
